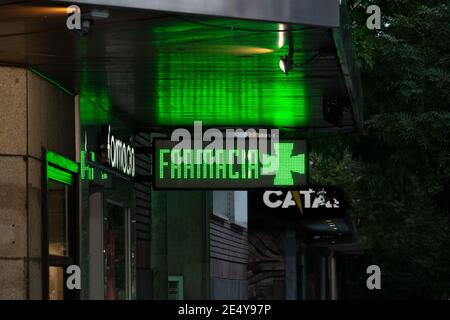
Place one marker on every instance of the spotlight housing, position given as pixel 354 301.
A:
pixel 87 20
pixel 286 64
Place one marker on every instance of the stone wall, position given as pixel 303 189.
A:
pixel 34 114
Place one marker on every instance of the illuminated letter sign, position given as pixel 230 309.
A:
pixel 309 203
pixel 120 155
pixel 200 165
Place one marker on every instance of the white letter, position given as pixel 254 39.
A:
pixel 288 201
pixel 198 140
pixel 374 281
pixel 241 137
pixel 113 152
pixel 270 204
pixel 108 144
pixel 374 21
pixel 215 145
pixel 184 144
pixel 74 19
pixel 128 160
pixel 307 195
pixel 74 280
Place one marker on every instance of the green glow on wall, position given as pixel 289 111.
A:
pixel 59 175
pixel 62 162
pixel 95 104
pixel 95 108
pixel 53 82
pixel 88 172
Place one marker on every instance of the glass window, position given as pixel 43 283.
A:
pixel 58 208
pixel 58 226
pixel 221 204
pixel 231 205
pixel 56 283
pixel 240 208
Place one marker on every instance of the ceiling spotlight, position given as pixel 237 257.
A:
pixel 286 64
pixel 86 20
pixel 287 61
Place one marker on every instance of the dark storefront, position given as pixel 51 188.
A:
pixel 108 219
pixel 293 241
pixel 84 107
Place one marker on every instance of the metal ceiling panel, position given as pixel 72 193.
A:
pixel 323 13
pixel 153 70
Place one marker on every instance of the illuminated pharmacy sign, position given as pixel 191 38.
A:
pixel 242 163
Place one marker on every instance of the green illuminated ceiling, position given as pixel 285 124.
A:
pixel 181 71
pixel 189 88
pixel 225 80
pixel 95 103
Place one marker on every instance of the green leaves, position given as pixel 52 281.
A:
pixel 397 173
pixel 397 177
pixel 407 62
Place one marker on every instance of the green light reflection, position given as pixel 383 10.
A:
pixel 197 82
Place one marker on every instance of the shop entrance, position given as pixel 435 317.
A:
pixel 116 249
pixel 110 245
pixel 59 224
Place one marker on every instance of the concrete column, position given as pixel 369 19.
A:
pixel 14 166
pixel 33 115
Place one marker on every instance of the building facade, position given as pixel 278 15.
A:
pixel 79 110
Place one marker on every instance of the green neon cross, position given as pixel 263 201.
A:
pixel 283 164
